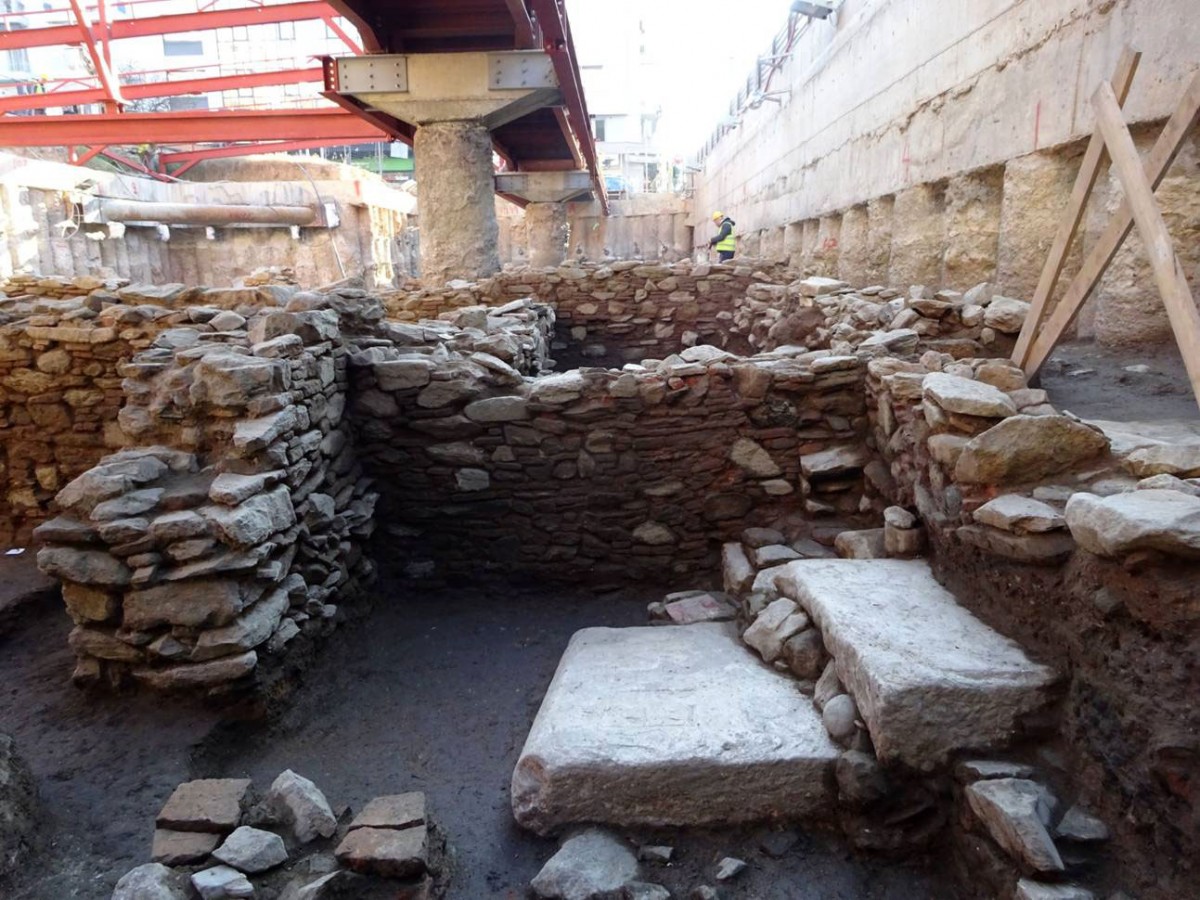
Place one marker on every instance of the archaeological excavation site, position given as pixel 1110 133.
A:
pixel 419 480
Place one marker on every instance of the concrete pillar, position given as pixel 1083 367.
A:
pixel 918 236
pixel 827 247
pixel 973 203
pixel 459 233
pixel 853 261
pixel 546 234
pixel 1036 190
pixel 880 213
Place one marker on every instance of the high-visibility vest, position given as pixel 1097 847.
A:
pixel 729 243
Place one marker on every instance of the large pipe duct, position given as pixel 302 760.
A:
pixel 206 213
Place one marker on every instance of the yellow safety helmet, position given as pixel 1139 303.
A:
pixel 718 216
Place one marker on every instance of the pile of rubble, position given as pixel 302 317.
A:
pixel 215 839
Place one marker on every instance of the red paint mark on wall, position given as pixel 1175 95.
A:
pixel 830 243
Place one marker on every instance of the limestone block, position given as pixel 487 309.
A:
pixel 181 848
pixel 189 676
pixel 222 883
pixel 253 521
pixel 300 804
pixel 152 881
pixel 1181 459
pixel 1006 315
pixel 928 677
pixel 252 850
pixel 92 567
pixel 1027 448
pixel 393 811
pixel 246 632
pixel 774 626
pixel 751 457
pixel 196 603
pixel 385 852
pixel 1014 512
pixel 588 865
pixel 1141 520
pixel 602 749
pixel 1014 812
pixel 967 397
pixel 736 568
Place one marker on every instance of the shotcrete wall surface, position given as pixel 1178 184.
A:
pixel 960 126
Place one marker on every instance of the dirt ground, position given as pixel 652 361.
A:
pixel 434 691
pixel 1142 385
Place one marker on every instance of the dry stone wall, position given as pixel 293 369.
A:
pixel 60 389
pixel 609 473
pixel 236 524
pixel 1082 540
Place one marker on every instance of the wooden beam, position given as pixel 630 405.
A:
pixel 1168 270
pixel 1085 182
pixel 1166 148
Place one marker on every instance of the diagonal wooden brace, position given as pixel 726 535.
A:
pixel 1186 115
pixel 1168 271
pixel 1089 170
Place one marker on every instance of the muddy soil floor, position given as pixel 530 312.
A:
pixel 433 691
pixel 1147 384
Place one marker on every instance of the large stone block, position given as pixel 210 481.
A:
pixel 928 677
pixel 670 726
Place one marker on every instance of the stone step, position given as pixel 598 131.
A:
pixel 671 726
pixel 928 677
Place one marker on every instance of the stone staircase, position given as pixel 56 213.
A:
pixel 868 687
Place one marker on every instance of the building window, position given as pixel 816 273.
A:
pixel 598 128
pixel 185 103
pixel 287 31
pixel 182 48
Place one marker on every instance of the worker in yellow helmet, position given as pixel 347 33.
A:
pixel 725 242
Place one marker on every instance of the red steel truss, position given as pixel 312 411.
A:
pixel 244 131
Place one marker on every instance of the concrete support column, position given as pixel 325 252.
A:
pixel 459 234
pixel 547 232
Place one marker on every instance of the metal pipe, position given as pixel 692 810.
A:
pixel 205 213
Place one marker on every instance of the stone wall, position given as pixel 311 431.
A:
pixel 1074 539
pixel 60 392
pixel 236 523
pixel 608 474
pixel 948 159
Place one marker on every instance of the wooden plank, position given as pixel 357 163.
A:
pixel 1168 271
pixel 1185 117
pixel 1085 182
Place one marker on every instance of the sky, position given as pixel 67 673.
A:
pixel 698 52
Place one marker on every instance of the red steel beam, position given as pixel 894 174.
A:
pixel 191 127
pixel 162 89
pixel 526 39
pixel 191 157
pixel 343 36
pixel 556 41
pixel 57 35
pixel 370 39
pixel 112 90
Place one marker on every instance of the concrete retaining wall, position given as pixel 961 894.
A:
pixel 931 142
pixel 644 226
